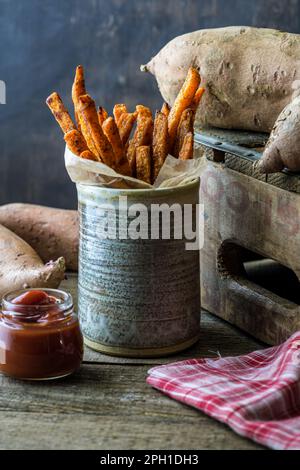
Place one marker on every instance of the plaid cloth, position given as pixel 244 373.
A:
pixel 257 395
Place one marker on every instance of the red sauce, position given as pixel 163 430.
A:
pixel 40 336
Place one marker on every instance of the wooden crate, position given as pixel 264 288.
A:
pixel 250 262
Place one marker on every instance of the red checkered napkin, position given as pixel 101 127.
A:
pixel 257 395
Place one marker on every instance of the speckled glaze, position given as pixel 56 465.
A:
pixel 136 297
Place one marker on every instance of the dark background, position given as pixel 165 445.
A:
pixel 41 43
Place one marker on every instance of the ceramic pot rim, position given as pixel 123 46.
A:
pixel 140 192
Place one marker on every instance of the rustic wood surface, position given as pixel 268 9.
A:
pixel 248 216
pixel 108 405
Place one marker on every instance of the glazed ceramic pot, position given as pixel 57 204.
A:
pixel 139 292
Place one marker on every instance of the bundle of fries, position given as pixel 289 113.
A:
pixel 133 144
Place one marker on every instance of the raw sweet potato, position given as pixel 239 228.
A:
pixel 283 147
pixel 249 75
pixel 51 232
pixel 21 267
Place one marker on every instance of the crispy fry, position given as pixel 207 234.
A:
pixel 197 97
pixel 143 110
pixel 125 126
pixel 60 113
pixel 187 149
pixel 143 163
pixel 99 137
pixel 118 110
pixel 142 136
pixel 124 167
pixel 160 142
pixel 95 138
pixel 88 155
pixel 186 125
pixel 78 89
pixel 143 132
pixel 102 115
pixel 110 129
pixel 75 142
pixel 165 109
pixel 130 155
pixel 183 101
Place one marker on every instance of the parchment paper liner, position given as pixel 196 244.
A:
pixel 173 173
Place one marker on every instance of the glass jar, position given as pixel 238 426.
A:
pixel 39 341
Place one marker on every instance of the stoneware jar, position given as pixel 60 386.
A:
pixel 139 292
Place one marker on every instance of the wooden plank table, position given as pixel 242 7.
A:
pixel 108 405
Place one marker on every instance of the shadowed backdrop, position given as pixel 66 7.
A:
pixel 41 44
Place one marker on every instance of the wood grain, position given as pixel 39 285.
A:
pixel 108 405
pixel 149 431
pixel 248 215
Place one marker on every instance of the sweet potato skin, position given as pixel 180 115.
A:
pixel 283 147
pixel 21 267
pixel 52 233
pixel 247 73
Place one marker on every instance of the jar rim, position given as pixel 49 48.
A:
pixel 65 297
pixel 139 192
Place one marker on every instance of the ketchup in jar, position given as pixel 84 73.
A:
pixel 40 337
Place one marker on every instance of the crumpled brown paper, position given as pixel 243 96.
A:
pixel 173 173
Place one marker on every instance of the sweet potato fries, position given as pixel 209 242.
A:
pixel 132 143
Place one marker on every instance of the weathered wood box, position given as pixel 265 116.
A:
pixel 250 262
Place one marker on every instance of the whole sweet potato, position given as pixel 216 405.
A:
pixel 51 232
pixel 21 267
pixel 283 147
pixel 249 75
